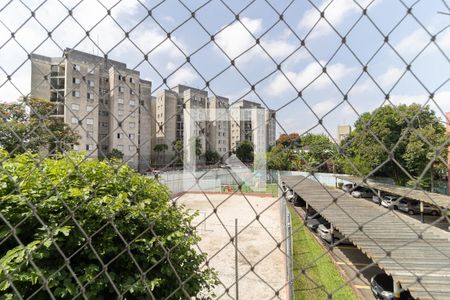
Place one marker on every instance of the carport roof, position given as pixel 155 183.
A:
pixel 416 255
pixel 420 195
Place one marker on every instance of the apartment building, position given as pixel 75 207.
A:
pixel 218 129
pixel 252 122
pixel 183 114
pixel 343 132
pixel 106 103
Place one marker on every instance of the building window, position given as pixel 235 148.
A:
pixel 76 147
pixel 121 89
pixel 91 71
pixel 90 121
pixel 89 147
pixel 132 148
pixel 120 112
pixel 104 124
pixel 133 115
pixel 120 101
pixel 119 135
pixel 131 124
pixel 90 134
pixel 132 103
pixel 76 67
pixel 131 136
pixel 120 77
pixel 76 80
pixel 74 120
pixel 90 96
pixel 75 106
pixel 76 94
pixel 89 108
pixel 120 147
pixel 90 83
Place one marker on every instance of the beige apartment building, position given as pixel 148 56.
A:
pixel 343 132
pixel 187 113
pixel 252 122
pixel 106 103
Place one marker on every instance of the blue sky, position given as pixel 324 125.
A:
pixel 301 66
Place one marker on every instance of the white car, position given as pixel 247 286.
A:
pixel 388 201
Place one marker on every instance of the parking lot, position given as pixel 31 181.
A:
pixel 355 266
pixel 403 248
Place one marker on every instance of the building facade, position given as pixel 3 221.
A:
pixel 106 103
pixel 343 132
pixel 252 122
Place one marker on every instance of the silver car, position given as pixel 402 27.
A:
pixel 337 237
pixel 412 207
pixel 389 201
pixel 362 192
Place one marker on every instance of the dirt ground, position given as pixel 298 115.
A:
pixel 257 243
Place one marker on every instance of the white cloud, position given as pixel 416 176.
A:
pixel 235 38
pixel 301 79
pixel 414 42
pixel 323 107
pixel 442 99
pixel 390 77
pixel 336 11
pixel 184 75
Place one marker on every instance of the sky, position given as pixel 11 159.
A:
pixel 338 81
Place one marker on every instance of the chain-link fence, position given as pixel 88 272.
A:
pixel 148 148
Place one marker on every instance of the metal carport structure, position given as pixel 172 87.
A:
pixel 442 201
pixel 416 255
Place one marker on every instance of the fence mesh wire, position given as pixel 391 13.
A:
pixel 152 87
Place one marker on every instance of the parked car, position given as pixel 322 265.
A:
pixel 382 286
pixel 362 192
pixel 313 221
pixel 376 199
pixel 324 231
pixel 412 207
pixel 389 201
pixel 348 187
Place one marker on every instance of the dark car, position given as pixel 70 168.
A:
pixel 382 286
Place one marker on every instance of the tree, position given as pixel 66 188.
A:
pixel 83 205
pixel 245 151
pixel 30 126
pixel 115 154
pixel 281 158
pixel 177 147
pixel 410 136
pixel 317 153
pixel 212 157
pixel 160 148
pixel 292 139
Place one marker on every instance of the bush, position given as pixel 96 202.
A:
pixel 83 224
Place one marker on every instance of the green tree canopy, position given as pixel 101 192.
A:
pixel 212 157
pixel 115 154
pixel 30 126
pixel 245 151
pixel 93 213
pixel 395 142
